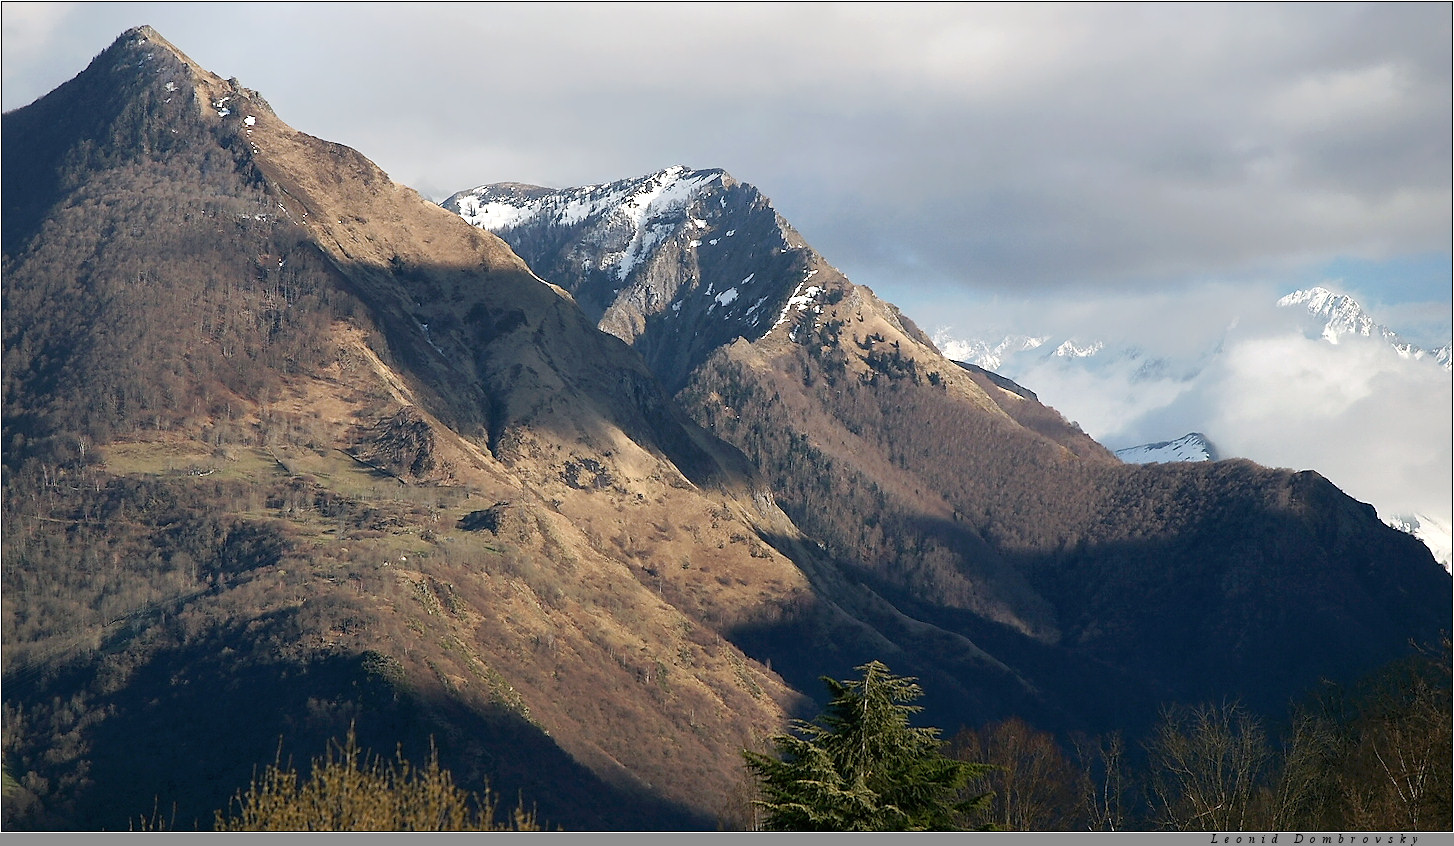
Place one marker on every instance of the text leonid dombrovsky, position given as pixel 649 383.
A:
pixel 1317 839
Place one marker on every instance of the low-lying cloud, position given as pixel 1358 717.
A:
pixel 1261 386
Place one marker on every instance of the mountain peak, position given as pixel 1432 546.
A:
pixel 147 38
pixel 1190 447
pixel 676 262
pixel 1341 317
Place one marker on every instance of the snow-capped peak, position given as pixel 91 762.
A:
pixel 1343 314
pixel 985 354
pixel 1070 349
pixel 1341 317
pixel 706 252
pixel 1191 447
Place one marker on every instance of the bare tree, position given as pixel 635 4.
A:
pixel 1034 785
pixel 1103 781
pixel 1300 795
pixel 1207 766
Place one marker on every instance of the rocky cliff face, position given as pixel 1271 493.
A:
pixel 950 503
pixel 676 263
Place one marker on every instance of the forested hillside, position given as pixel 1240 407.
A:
pixel 250 499
pixel 293 455
pixel 1093 591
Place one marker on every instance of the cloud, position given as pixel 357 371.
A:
pixel 1022 149
pixel 1257 383
pixel 1375 424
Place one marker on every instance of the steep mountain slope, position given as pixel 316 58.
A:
pixel 283 438
pixel 955 497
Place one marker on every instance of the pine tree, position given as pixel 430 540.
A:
pixel 860 766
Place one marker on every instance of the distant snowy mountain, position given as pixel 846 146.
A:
pixel 1329 315
pixel 1264 373
pixel 985 354
pixel 1070 349
pixel 1338 316
pixel 1192 447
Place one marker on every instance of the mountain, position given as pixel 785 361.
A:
pixel 969 511
pixel 1313 381
pixel 1192 447
pixel 285 439
pixel 288 448
pixel 677 263
pixel 1338 316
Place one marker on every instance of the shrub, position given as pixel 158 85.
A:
pixel 352 790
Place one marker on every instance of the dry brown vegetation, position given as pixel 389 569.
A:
pixel 263 499
pixel 287 448
pixel 351 789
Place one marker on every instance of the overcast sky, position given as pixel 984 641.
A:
pixel 939 152
pixel 994 168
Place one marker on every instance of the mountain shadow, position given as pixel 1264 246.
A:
pixel 173 731
pixel 951 513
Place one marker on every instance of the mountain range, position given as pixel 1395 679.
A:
pixel 1323 313
pixel 586 495
pixel 592 237
pixel 1144 383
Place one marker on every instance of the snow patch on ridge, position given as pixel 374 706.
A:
pixel 1192 447
pixel 800 301
pixel 650 209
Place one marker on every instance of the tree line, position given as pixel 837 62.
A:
pixel 1370 756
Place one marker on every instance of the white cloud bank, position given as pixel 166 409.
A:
pixel 1260 385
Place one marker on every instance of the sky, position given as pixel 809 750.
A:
pixel 1141 171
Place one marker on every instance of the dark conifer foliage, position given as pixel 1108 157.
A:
pixel 861 765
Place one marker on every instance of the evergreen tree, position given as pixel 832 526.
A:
pixel 860 766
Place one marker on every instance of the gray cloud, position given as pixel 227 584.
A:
pixel 1140 171
pixel 1004 147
